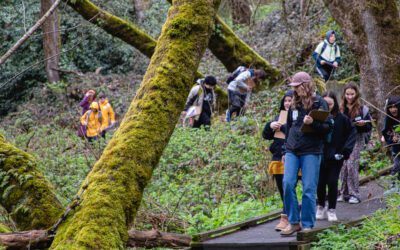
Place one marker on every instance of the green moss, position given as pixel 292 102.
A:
pixel 26 195
pixel 116 183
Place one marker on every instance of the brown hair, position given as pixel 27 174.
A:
pixel 354 109
pixel 306 101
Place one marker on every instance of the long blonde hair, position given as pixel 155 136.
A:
pixel 305 101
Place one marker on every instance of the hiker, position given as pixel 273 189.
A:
pixel 337 148
pixel 201 102
pixel 92 121
pixel 239 90
pixel 275 167
pixel 303 150
pixel 327 56
pixel 361 118
pixel 392 138
pixel 108 116
pixel 89 97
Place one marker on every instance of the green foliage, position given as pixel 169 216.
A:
pixel 375 232
pixel 373 159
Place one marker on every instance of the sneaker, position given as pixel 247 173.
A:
pixel 290 230
pixel 306 229
pixel 321 213
pixel 283 223
pixel 354 200
pixel 332 215
pixel 340 198
pixel 392 190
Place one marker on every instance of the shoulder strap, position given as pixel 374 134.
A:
pixel 100 116
pixel 323 48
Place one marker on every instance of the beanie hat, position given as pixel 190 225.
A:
pixel 210 80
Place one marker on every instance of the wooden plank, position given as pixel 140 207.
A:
pixel 237 226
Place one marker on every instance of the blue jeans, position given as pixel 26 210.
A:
pixel 310 165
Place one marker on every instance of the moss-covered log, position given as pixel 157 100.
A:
pixel 224 44
pixel 116 182
pixel 26 195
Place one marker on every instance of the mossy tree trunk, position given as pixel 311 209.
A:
pixel 26 195
pixel 116 183
pixel 224 44
pixel 372 29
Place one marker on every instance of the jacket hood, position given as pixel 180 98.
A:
pixel 104 103
pixel 328 34
pixel 288 93
pixel 95 105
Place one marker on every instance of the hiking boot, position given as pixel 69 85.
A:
pixel 340 198
pixel 354 200
pixel 321 213
pixel 332 215
pixel 283 223
pixel 290 230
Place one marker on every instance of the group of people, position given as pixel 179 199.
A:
pixel 97 117
pixel 326 151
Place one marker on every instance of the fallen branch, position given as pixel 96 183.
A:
pixel 30 32
pixel 40 239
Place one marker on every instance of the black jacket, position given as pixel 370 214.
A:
pixel 300 143
pixel 364 115
pixel 277 144
pixel 343 138
pixel 390 124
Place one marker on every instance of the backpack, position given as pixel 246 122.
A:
pixel 324 48
pixel 235 73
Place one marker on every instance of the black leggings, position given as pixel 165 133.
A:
pixel 329 176
pixel 279 183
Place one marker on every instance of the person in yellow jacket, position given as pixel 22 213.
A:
pixel 108 116
pixel 92 119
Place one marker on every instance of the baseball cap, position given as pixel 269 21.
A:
pixel 299 78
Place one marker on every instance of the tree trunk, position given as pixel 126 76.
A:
pixel 115 185
pixel 140 7
pixel 372 29
pixel 224 44
pixel 51 42
pixel 26 195
pixel 241 12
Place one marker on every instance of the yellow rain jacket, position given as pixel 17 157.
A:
pixel 93 122
pixel 108 116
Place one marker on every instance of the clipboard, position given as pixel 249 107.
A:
pixel 282 120
pixel 317 115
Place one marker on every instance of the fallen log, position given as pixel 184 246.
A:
pixel 40 239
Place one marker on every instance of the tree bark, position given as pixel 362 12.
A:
pixel 224 44
pixel 241 12
pixel 51 41
pixel 372 29
pixel 115 185
pixel 40 239
pixel 26 195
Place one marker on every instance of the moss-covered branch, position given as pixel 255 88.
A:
pixel 26 195
pixel 116 183
pixel 224 44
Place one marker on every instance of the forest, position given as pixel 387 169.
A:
pixel 150 180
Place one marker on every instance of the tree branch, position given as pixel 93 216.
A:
pixel 30 32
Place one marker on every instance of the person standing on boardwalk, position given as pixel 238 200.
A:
pixel 327 56
pixel 275 167
pixel 392 138
pixel 337 148
pixel 303 150
pixel 361 118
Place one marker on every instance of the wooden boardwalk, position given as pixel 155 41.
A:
pixel 255 235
